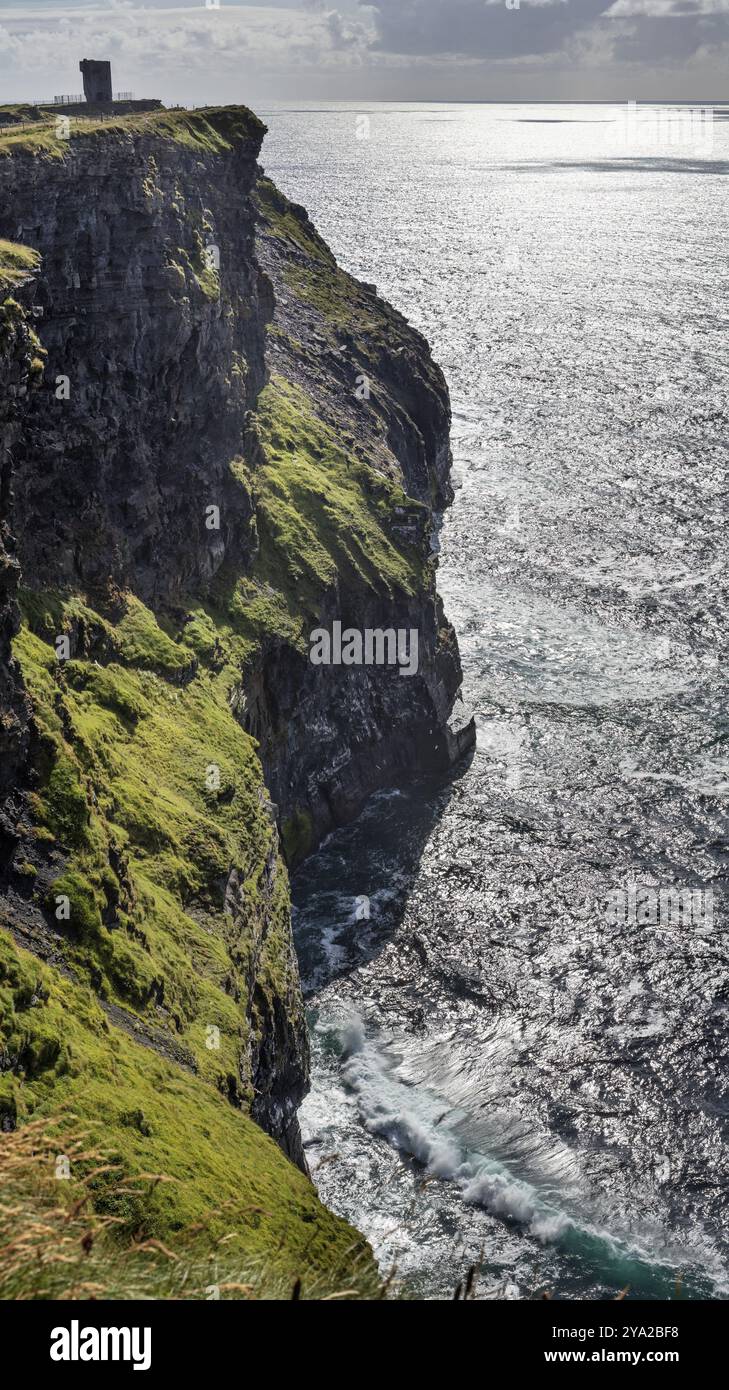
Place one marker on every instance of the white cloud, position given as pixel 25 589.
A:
pixel 316 49
pixel 145 43
pixel 666 9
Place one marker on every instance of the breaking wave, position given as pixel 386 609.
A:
pixel 420 1124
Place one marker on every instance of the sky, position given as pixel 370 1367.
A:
pixel 198 51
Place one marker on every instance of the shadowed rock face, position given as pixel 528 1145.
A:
pixel 112 484
pixel 331 736
pixel 15 363
pixel 178 294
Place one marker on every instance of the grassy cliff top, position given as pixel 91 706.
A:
pixel 16 264
pixel 214 129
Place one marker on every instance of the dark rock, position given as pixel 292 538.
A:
pixel 107 490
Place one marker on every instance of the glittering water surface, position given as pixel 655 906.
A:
pixel 506 1072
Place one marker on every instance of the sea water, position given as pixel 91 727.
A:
pixel 508 1075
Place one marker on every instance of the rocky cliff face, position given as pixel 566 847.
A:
pixel 18 358
pixel 231 443
pixel 376 454
pixel 154 355
pixel 125 456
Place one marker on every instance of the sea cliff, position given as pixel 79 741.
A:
pixel 212 440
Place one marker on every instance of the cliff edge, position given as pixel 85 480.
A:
pixel 192 478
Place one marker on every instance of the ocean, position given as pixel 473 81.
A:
pixel 520 1041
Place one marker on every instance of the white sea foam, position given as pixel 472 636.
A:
pixel 419 1123
pixel 414 1121
pixel 581 565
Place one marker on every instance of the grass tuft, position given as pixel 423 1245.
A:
pixel 16 264
pixel 56 1244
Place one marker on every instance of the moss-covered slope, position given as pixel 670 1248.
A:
pixel 148 980
pixel 193 479
pixel 352 460
pixel 180 1165
pixel 151 851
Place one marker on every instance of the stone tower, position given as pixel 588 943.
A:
pixel 97 80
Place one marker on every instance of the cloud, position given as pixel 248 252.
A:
pixel 667 9
pixel 158 39
pixel 486 30
pixel 649 38
pixel 253 50
pixel 474 29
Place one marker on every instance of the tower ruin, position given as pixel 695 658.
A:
pixel 97 81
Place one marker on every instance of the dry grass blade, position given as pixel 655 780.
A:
pixel 55 1243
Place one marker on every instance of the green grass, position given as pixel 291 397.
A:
pixel 128 733
pixel 315 277
pixel 19 111
pixel 283 221
pixel 37 138
pixel 149 808
pixel 206 276
pixel 16 264
pixel 143 643
pixel 145 840
pixel 323 520
pixel 323 516
pixel 179 1164
pixel 214 130
pixel 153 792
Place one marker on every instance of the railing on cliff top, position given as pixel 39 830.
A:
pixel 76 100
